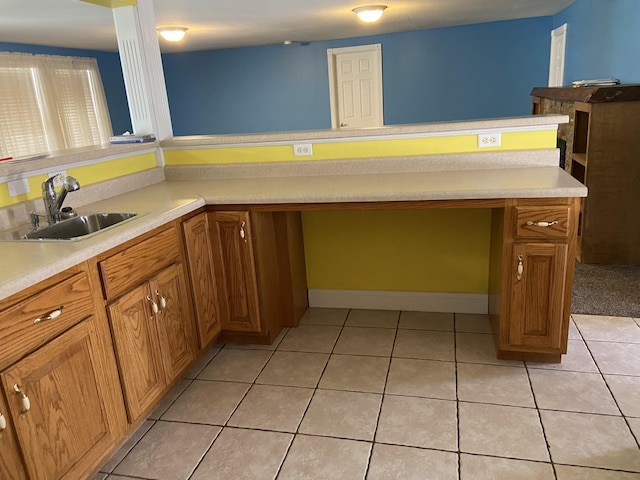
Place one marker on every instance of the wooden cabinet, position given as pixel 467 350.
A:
pixel 63 403
pixel 600 146
pixel 258 257
pixel 152 326
pixel 203 278
pixel 11 466
pixel 537 242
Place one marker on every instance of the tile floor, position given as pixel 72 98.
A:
pixel 354 394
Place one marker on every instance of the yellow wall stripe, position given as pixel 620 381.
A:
pixel 527 140
pixel 85 174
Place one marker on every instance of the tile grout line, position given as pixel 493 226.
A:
pixel 455 360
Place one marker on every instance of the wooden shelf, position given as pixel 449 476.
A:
pixel 580 158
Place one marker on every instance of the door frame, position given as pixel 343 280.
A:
pixel 556 66
pixel 376 48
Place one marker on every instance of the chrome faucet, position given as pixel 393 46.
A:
pixel 52 201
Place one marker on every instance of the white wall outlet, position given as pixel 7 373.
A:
pixel 489 140
pixel 57 183
pixel 302 149
pixel 18 187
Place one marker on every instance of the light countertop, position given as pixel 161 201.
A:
pixel 25 263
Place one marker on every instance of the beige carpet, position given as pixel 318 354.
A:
pixel 611 290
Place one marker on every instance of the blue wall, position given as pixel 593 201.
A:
pixel 110 72
pixel 603 40
pixel 467 72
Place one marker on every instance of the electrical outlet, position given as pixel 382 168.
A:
pixel 18 187
pixel 489 140
pixel 57 183
pixel 302 149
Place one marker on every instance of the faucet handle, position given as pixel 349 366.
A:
pixel 35 219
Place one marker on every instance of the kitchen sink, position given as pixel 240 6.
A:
pixel 77 227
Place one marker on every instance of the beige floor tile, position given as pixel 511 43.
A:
pixel 499 430
pixel 270 407
pixel 127 446
pixel 169 451
pixel 479 467
pixel 207 401
pixel 366 341
pixel 202 362
pixel 418 422
pixel 120 477
pixel 577 359
pixel 574 333
pixel 572 392
pixel 472 323
pixel 253 346
pixel 239 454
pixel 391 462
pixel 335 413
pixel 324 316
pixel 616 358
pixel 311 338
pixel 422 378
pixel 322 458
pixel 591 440
pixel 634 424
pixel 235 365
pixel 100 476
pixel 424 344
pixel 494 384
pixel 295 369
pixel 169 398
pixel 608 329
pixel 426 321
pixel 565 472
pixel 373 318
pixel 355 373
pixel 479 348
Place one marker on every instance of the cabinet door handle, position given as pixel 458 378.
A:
pixel 520 268
pixel 541 224
pixel 25 403
pixel 3 423
pixel 243 235
pixel 154 305
pixel 49 316
pixel 163 301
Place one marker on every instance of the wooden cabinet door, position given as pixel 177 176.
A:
pixel 538 272
pixel 203 278
pixel 135 338
pixel 235 250
pixel 11 467
pixel 67 426
pixel 176 329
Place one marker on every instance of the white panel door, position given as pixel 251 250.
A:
pixel 556 62
pixel 356 81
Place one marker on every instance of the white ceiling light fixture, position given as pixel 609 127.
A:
pixel 370 13
pixel 172 34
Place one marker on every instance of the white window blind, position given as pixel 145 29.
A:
pixel 50 103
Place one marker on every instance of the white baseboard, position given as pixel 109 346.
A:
pixel 408 301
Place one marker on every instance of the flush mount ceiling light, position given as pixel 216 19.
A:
pixel 172 34
pixel 370 13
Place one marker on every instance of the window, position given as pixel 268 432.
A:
pixel 50 103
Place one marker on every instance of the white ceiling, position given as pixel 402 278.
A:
pixel 215 24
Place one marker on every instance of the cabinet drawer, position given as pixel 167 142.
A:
pixel 542 222
pixel 39 318
pixel 132 265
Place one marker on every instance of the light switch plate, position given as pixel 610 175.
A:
pixel 18 187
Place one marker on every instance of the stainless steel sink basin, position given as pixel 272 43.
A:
pixel 78 227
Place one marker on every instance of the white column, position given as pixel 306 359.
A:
pixel 142 69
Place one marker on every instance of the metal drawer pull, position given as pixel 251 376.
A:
pixel 154 305
pixel 520 269
pixel 242 234
pixel 49 316
pixel 541 224
pixel 25 403
pixel 163 301
pixel 3 423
